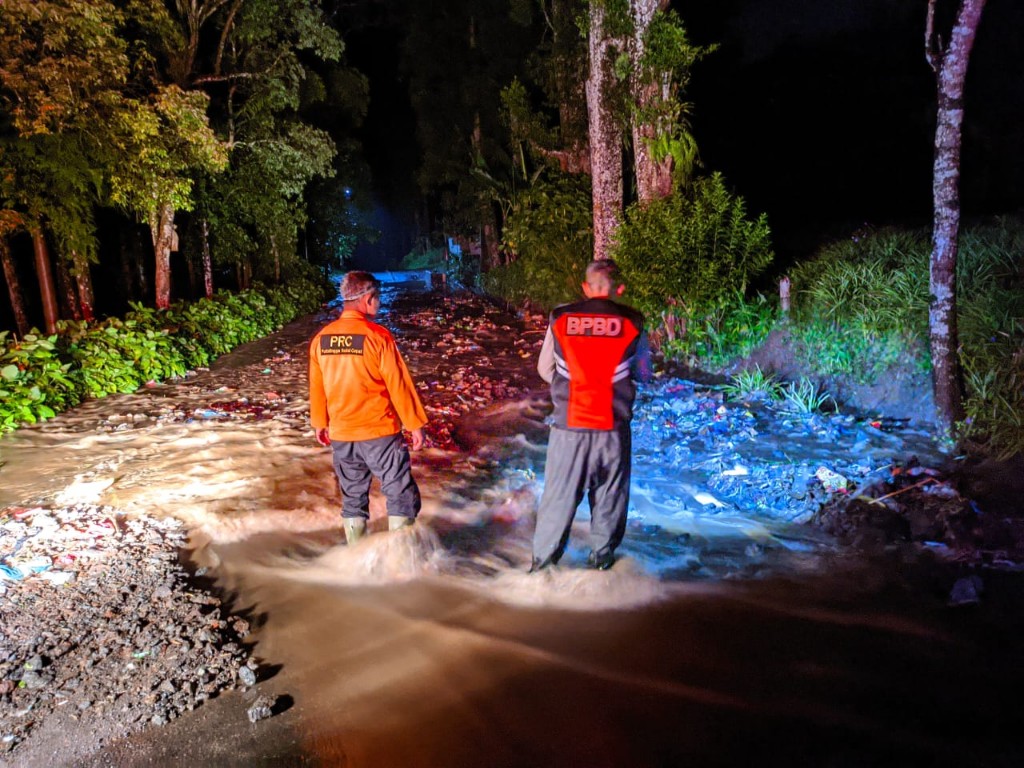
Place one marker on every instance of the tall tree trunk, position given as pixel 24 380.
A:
pixel 575 157
pixel 950 65
pixel 277 260
pixel 605 132
pixel 66 290
pixel 162 228
pixel 141 257
pixel 490 253
pixel 44 274
pixel 207 260
pixel 14 288
pixel 83 280
pixel 653 178
pixel 127 254
pixel 193 277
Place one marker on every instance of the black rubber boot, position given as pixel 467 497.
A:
pixel 601 562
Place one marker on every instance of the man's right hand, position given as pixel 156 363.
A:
pixel 323 436
pixel 419 439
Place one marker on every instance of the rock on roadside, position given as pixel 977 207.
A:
pixel 101 622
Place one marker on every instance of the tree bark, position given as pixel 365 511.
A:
pixel 207 260
pixel 572 100
pixel 66 290
pixel 14 288
pixel 162 228
pixel 490 253
pixel 44 274
pixel 128 254
pixel 277 260
pixel 653 178
pixel 83 280
pixel 605 133
pixel 950 65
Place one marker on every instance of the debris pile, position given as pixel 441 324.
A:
pixel 102 622
pixel 458 375
pixel 927 506
pixel 755 459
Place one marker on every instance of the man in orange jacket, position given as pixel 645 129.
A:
pixel 360 397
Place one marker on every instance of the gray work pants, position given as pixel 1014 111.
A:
pixel 355 464
pixel 595 462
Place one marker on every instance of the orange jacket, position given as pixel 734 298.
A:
pixel 359 386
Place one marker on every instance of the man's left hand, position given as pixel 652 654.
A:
pixel 323 436
pixel 419 439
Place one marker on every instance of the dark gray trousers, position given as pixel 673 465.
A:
pixel 594 462
pixel 355 464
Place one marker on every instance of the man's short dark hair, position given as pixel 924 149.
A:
pixel 356 284
pixel 603 274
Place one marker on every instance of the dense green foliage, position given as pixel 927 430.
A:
pixel 687 260
pixel 861 307
pixel 712 334
pixel 43 375
pixel 548 239
pixel 862 304
pixel 214 117
pixel 691 249
pixel 460 269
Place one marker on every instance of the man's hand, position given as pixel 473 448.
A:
pixel 418 438
pixel 323 436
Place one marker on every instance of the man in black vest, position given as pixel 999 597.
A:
pixel 593 351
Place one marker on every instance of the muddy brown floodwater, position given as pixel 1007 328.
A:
pixel 432 646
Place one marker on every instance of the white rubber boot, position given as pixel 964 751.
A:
pixel 355 527
pixel 397 521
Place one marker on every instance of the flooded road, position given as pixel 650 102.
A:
pixel 726 635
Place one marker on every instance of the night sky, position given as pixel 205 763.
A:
pixel 818 112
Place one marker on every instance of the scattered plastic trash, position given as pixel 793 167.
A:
pixel 832 481
pixel 707 499
pixel 738 470
pixel 967 591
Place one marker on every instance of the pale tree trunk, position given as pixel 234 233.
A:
pixel 44 274
pixel 83 281
pixel 14 288
pixel 207 261
pixel 653 178
pixel 605 133
pixel 162 229
pixel 950 65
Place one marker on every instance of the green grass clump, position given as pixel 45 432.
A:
pixel 753 384
pixel 861 307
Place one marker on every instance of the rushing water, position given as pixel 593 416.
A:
pixel 724 636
